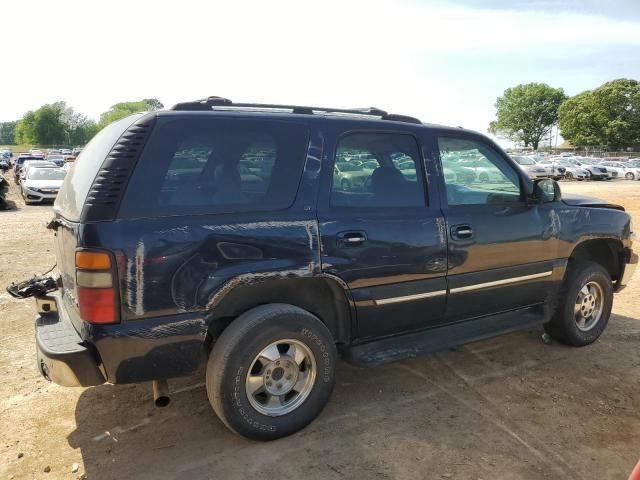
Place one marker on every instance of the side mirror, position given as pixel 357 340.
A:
pixel 546 190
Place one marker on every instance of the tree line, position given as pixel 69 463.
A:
pixel 59 124
pixel 607 116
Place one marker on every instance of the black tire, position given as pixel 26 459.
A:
pixel 569 176
pixel 234 353
pixel 630 176
pixel 563 326
pixel 484 178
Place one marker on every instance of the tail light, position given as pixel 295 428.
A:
pixel 96 288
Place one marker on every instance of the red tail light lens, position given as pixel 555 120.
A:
pixel 97 305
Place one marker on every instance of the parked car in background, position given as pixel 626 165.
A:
pixel 22 158
pixel 559 171
pixel 6 155
pixel 532 168
pixel 482 172
pixel 571 171
pixel 32 164
pixel 624 170
pixel 596 164
pixel 4 188
pixel 56 158
pixel 4 164
pixel 42 184
pixel 596 172
pixel 349 176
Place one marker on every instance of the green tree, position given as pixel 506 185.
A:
pixel 49 128
pixel 79 129
pixel 55 124
pixel 25 129
pixel 526 113
pixel 124 109
pixel 8 133
pixel 607 116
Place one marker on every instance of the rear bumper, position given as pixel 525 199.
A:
pixel 128 352
pixel 62 356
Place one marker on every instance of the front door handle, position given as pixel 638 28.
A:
pixel 462 232
pixel 351 239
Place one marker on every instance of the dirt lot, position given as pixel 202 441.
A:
pixel 510 407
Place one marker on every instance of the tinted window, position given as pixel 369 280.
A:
pixel 217 166
pixel 77 183
pixel 377 170
pixel 476 174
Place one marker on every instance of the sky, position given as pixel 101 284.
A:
pixel 443 62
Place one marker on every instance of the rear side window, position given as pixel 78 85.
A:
pixel 374 170
pixel 217 166
pixel 77 183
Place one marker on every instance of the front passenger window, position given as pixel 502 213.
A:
pixel 475 174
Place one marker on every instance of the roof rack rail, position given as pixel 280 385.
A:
pixel 220 103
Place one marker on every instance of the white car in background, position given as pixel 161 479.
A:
pixel 34 163
pixel 42 184
pixel 571 171
pixel 624 171
pixel 533 168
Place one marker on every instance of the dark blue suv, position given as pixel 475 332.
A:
pixel 264 241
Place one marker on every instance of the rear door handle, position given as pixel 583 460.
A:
pixel 462 232
pixel 351 239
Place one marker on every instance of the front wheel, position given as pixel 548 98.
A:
pixel 271 372
pixel 630 176
pixel 569 176
pixel 584 304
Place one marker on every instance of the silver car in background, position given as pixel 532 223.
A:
pixel 533 168
pixel 628 172
pixel 42 184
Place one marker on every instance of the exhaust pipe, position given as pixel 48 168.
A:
pixel 160 393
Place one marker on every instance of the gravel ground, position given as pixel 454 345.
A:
pixel 509 407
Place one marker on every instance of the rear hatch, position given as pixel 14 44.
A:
pixel 76 197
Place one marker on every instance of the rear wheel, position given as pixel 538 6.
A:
pixel 584 305
pixel 569 176
pixel 345 185
pixel 271 372
pixel 484 178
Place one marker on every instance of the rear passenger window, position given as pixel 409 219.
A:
pixel 211 166
pixel 377 170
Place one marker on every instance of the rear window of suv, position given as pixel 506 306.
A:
pixel 200 166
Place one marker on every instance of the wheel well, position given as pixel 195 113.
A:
pixel 323 297
pixel 606 252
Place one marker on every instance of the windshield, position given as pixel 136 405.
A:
pixel 47 174
pixel 525 161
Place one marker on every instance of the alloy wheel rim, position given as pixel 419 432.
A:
pixel 281 377
pixel 589 305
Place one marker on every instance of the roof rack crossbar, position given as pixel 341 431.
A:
pixel 210 103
